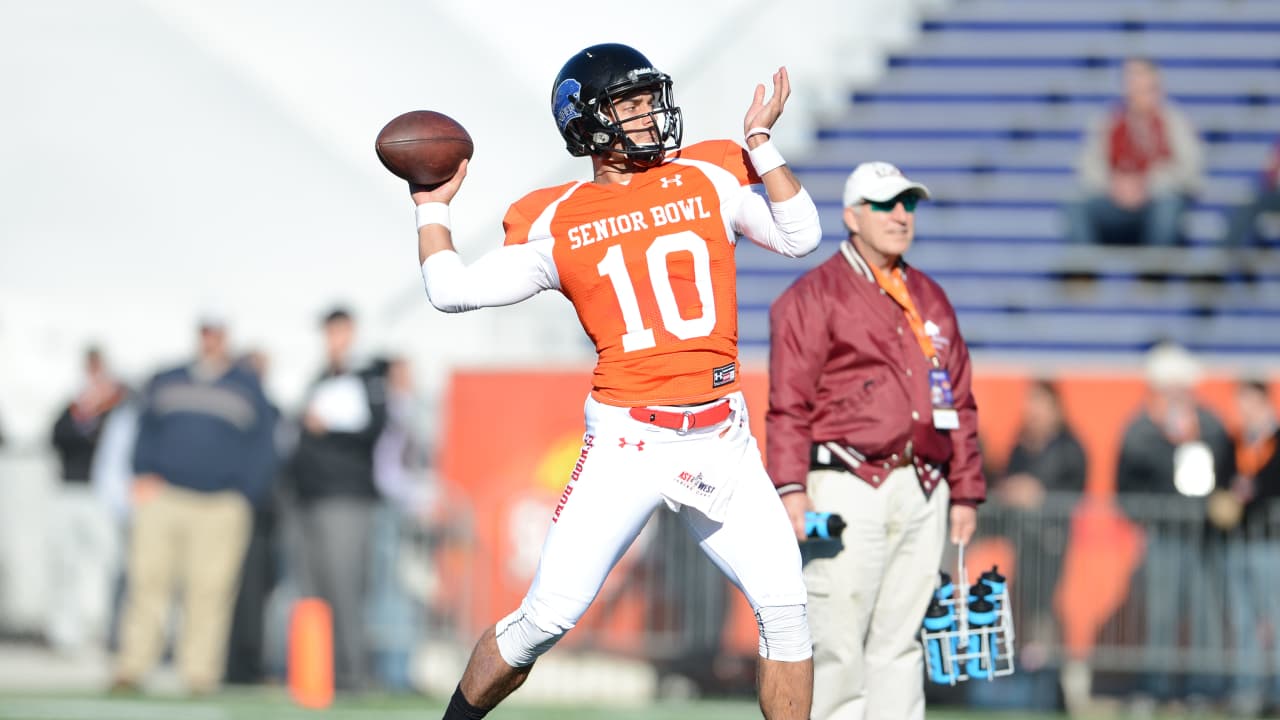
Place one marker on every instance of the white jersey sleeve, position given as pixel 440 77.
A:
pixel 501 277
pixel 789 227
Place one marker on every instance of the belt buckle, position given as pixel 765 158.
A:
pixel 687 421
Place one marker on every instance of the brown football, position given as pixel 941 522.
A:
pixel 424 146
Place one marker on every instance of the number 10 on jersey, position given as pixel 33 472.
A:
pixel 639 337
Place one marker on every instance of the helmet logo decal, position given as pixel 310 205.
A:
pixel 565 103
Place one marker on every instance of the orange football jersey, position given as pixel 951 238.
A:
pixel 649 268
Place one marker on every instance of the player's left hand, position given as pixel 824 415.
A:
pixel 964 520
pixel 764 113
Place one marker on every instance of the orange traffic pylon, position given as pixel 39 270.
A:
pixel 311 653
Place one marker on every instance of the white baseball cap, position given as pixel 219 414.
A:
pixel 1170 365
pixel 880 182
pixel 212 315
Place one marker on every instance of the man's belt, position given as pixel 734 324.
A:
pixel 838 456
pixel 683 421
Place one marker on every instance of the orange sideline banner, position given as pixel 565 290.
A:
pixel 511 439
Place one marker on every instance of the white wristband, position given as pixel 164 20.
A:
pixel 432 213
pixel 760 131
pixel 765 157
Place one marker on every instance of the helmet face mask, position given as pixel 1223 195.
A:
pixel 586 95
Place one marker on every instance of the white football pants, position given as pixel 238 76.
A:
pixel 618 483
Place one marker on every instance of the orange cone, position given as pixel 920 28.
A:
pixel 311 653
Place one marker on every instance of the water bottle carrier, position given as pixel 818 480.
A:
pixel 968 649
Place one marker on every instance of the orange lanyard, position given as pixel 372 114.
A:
pixel 1251 458
pixel 897 289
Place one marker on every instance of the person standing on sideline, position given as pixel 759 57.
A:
pixel 645 253
pixel 82 533
pixel 203 453
pixel 331 474
pixel 1173 454
pixel 259 572
pixel 871 416
pixel 1265 198
pixel 1253 555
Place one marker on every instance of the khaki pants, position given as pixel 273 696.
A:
pixel 193 542
pixel 868 594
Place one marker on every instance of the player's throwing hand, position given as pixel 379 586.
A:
pixel 442 193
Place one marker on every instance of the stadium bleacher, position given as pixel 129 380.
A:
pixel 989 109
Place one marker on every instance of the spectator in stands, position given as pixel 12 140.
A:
pixel 1243 228
pixel 1253 555
pixel 331 474
pixel 1140 165
pixel 1172 456
pixel 260 569
pixel 82 534
pixel 203 454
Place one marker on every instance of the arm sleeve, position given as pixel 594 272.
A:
pixel 144 458
pixel 389 475
pixel 1093 159
pixel 111 472
pixel 501 277
pixel 1221 445
pixel 798 348
pixel 1184 172
pixel 1130 468
pixel 788 228
pixel 1270 179
pixel 964 476
pixel 65 434
pixel 1075 467
pixel 261 459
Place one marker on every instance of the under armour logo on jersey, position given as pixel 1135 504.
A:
pixel 639 444
pixel 673 180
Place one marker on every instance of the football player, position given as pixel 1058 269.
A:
pixel 645 252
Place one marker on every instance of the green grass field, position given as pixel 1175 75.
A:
pixel 275 705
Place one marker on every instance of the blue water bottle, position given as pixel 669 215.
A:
pixel 945 587
pixel 981 591
pixel 823 525
pixel 982 619
pixel 940 618
pixel 994 580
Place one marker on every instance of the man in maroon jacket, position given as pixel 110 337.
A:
pixel 871 416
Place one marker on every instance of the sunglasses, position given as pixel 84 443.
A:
pixel 908 201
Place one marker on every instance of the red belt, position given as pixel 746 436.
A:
pixel 683 420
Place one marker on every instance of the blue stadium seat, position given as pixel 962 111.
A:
pixel 989 110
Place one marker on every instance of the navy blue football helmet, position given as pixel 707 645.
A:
pixel 584 93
